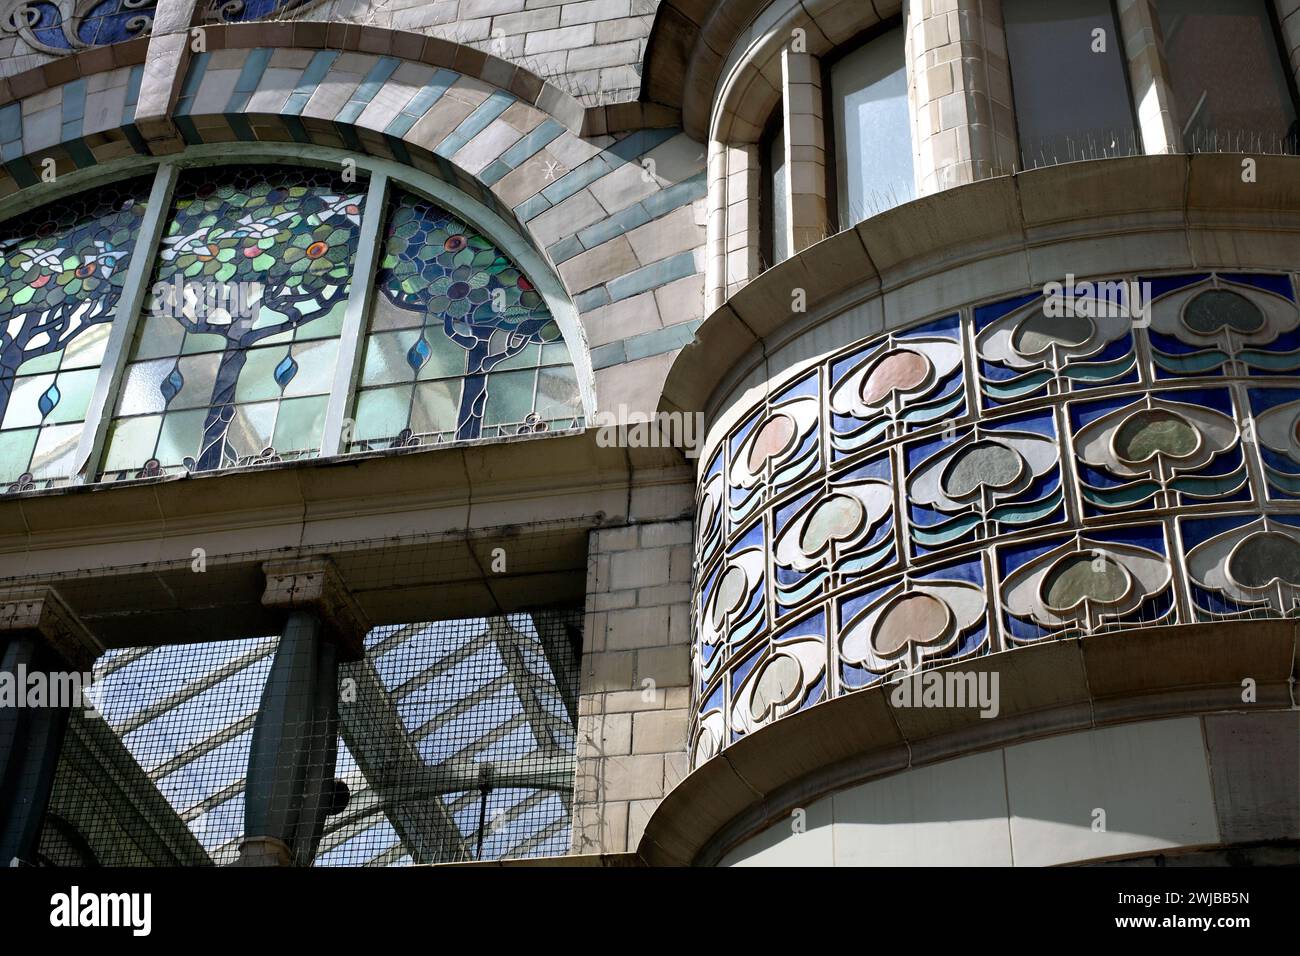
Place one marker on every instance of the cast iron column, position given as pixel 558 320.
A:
pixel 290 787
pixel 39 634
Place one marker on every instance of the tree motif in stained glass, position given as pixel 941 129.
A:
pixel 234 361
pixel 461 344
pixel 60 280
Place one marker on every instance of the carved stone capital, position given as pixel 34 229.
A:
pixel 41 611
pixel 315 585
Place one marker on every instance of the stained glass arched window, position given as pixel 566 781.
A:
pixel 60 280
pixel 461 344
pixel 234 359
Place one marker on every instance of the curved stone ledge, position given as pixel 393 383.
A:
pixel 999 237
pixel 1046 689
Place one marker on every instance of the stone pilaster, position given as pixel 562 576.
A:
pixel 960 92
pixel 733 226
pixel 1153 93
pixel 634 696
pixel 805 150
pixel 165 67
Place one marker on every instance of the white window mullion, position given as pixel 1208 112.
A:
pixel 130 305
pixel 352 338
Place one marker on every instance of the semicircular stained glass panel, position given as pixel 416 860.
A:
pixel 61 273
pixel 234 359
pixel 461 345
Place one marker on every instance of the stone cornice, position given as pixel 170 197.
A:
pixel 310 503
pixel 999 237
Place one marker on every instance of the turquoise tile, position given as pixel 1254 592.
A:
pixel 80 153
pixel 532 143
pixel 198 66
pixel 576 179
pixel 249 76
pixel 239 123
pixel 652 276
pixel 74 101
pixel 189 132
pixel 637 144
pixel 11 122
pixel 494 172
pixel 676 195
pixel 311 77
pixel 297 130
pixel 532 207
pixel 21 171
pixel 400 152
pixel 475 123
pixel 565 249
pixel 659 341
pixel 132 94
pixel 365 92
pixel 603 356
pixel 617 224
pixel 591 299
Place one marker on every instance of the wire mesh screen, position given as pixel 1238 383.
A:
pixel 455 741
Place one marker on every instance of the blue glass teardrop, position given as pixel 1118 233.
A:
pixel 172 385
pixel 285 371
pixel 47 401
pixel 419 354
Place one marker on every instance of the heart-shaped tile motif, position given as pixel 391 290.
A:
pixel 1264 559
pixel 730 594
pixel 1037 332
pixel 836 518
pixel 982 464
pixel 1216 309
pixel 899 371
pixel 1155 431
pixel 772 440
pixel 777 684
pixel 1084 576
pixel 918 619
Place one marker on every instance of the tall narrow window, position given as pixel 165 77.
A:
pixel 1230 84
pixel 873 129
pixel 234 361
pixel 60 279
pixel 1069 80
pixel 461 344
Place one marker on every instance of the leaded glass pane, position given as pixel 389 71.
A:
pixel 234 360
pixel 454 314
pixel 60 280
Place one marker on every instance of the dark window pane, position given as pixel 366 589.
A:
pixel 1230 86
pixel 1072 98
pixel 780 199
